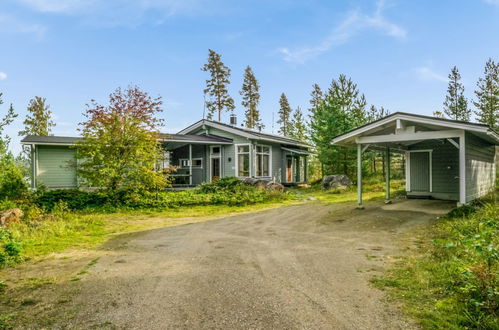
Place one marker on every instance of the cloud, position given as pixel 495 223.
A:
pixel 116 12
pixel 492 2
pixel 425 73
pixel 354 23
pixel 13 25
pixel 3 75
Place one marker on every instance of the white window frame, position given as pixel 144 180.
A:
pixel 188 164
pixel 219 156
pixel 261 153
pixel 237 153
pixel 408 168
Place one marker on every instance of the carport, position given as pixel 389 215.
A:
pixel 444 159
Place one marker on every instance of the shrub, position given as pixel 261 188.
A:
pixel 12 182
pixel 223 184
pixel 10 248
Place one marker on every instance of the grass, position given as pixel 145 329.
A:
pixel 371 191
pixel 452 282
pixel 80 230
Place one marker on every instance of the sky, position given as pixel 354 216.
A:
pixel 399 52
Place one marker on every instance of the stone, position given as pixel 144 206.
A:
pixel 340 181
pixel 10 216
pixel 264 184
pixel 274 186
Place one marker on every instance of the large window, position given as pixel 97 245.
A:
pixel 243 160
pixel 262 161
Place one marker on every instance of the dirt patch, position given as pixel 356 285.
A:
pixel 305 266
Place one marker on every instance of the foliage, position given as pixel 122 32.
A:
pixel 453 282
pixel 12 183
pixel 10 248
pixel 298 126
pixel 455 104
pixel 342 109
pixel 38 121
pixel 487 94
pixel 251 99
pixel 284 115
pixel 120 147
pixel 216 86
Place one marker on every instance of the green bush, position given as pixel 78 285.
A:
pixel 10 248
pixel 223 184
pixel 12 179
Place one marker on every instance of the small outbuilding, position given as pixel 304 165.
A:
pixel 444 159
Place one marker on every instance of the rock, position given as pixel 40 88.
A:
pixel 10 216
pixel 264 184
pixel 340 181
pixel 274 186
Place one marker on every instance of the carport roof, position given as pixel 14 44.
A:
pixel 389 125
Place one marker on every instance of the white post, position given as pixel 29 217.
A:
pixel 359 176
pixel 387 172
pixel 462 170
pixel 190 164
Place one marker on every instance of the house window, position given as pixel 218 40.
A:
pixel 196 163
pixel 263 161
pixel 215 151
pixel 243 160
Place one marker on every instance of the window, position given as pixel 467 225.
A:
pixel 215 151
pixel 196 163
pixel 243 160
pixel 262 161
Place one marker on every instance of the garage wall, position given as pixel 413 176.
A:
pixel 480 167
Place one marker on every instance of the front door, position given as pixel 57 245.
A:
pixel 420 171
pixel 215 168
pixel 289 169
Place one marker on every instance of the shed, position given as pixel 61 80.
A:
pixel 444 159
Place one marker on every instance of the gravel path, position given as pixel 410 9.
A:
pixel 298 267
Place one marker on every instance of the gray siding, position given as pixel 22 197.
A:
pixel 198 151
pixel 420 171
pixel 53 167
pixel 480 167
pixel 445 168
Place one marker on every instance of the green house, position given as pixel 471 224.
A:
pixel 203 152
pixel 444 159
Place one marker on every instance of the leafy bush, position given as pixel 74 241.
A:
pixel 12 182
pixel 10 248
pixel 226 191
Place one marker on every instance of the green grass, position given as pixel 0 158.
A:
pixel 452 282
pixel 80 230
pixel 371 191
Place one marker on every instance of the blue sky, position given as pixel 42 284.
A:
pixel 399 52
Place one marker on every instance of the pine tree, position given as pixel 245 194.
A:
pixel 284 115
pixel 4 122
pixel 487 102
pixel 216 86
pixel 298 126
pixel 38 120
pixel 251 99
pixel 455 104
pixel 316 97
pixel 375 113
pixel 438 114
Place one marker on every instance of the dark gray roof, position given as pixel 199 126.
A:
pixel 66 140
pixel 253 133
pixel 36 139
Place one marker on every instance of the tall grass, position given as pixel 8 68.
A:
pixel 453 280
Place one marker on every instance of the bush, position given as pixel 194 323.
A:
pixel 223 184
pixel 12 182
pixel 10 248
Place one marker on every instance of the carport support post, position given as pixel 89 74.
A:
pixel 387 173
pixel 359 176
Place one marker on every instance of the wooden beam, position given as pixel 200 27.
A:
pixel 462 170
pixel 387 172
pixel 190 164
pixel 454 143
pixel 359 176
pixel 427 135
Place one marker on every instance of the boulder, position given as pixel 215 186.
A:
pixel 264 184
pixel 340 181
pixel 10 216
pixel 274 186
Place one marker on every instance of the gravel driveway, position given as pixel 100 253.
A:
pixel 300 267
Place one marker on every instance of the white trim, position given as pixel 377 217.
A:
pixel 359 175
pixel 416 119
pixel 215 156
pixel 462 169
pixel 300 152
pixel 454 143
pixel 426 135
pixel 48 143
pixel 193 159
pixel 270 160
pixel 408 168
pixel 365 148
pixel 236 160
